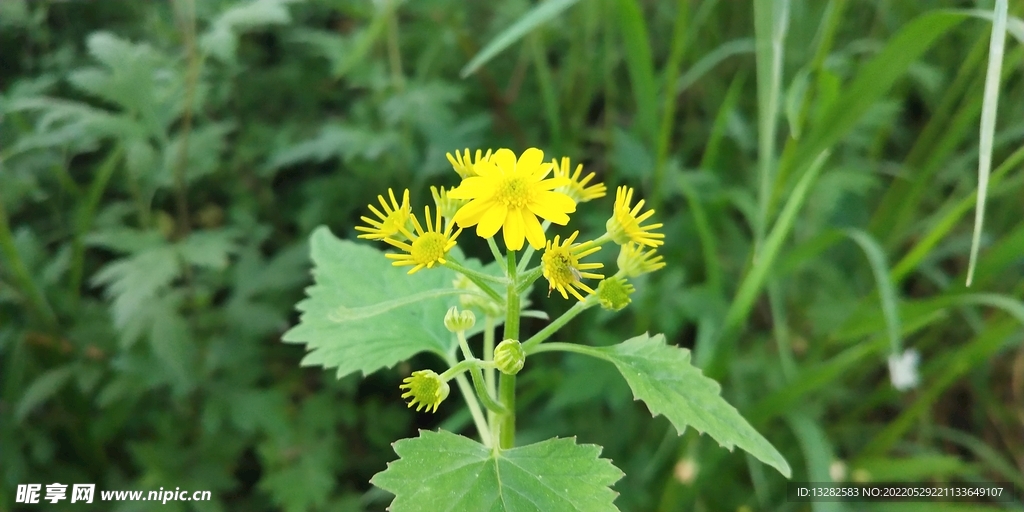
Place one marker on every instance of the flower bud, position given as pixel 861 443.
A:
pixel 633 261
pixel 426 388
pixel 614 292
pixel 457 321
pixel 509 357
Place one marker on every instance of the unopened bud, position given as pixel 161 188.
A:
pixel 457 321
pixel 509 357
pixel 614 292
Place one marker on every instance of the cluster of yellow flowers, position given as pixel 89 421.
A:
pixel 500 192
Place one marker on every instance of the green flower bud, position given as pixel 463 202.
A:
pixel 509 357
pixel 457 321
pixel 426 388
pixel 633 261
pixel 614 292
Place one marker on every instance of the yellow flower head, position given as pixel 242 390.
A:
pixel 425 388
pixel 577 188
pixel 633 261
pixel 446 205
pixel 509 195
pixel 466 166
pixel 562 268
pixel 427 247
pixel 392 221
pixel 624 224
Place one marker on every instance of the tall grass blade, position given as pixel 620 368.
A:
pixel 754 281
pixel 535 17
pixel 771 20
pixel 886 288
pixel 640 65
pixel 988 124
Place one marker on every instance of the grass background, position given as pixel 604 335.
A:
pixel 815 164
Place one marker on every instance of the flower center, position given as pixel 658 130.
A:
pixel 428 248
pixel 559 266
pixel 391 224
pixel 514 192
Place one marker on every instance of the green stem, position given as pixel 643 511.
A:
pixel 480 283
pixel 489 352
pixel 530 345
pixel 24 279
pixel 529 277
pixel 497 254
pixel 556 346
pixel 507 383
pixel 482 427
pixel 85 216
pixel 462 367
pixel 486 396
pixel 458 267
pixel 528 253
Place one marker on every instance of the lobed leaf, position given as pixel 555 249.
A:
pixel 363 314
pixel 662 376
pixel 441 471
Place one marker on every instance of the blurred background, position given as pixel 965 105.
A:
pixel 163 163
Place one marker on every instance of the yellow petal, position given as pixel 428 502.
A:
pixel 472 188
pixel 470 214
pixel 556 200
pixel 486 169
pixel 491 221
pixel 530 161
pixel 548 213
pixel 551 184
pixel 513 231
pixel 505 160
pixel 534 231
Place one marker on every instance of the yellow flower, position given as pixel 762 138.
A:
pixel 446 205
pixel 392 222
pixel 428 247
pixel 509 195
pixel 624 224
pixel 633 261
pixel 464 165
pixel 562 268
pixel 577 188
pixel 426 388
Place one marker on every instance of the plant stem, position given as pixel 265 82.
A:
pixel 507 383
pixel 545 333
pixel 458 267
pixel 24 279
pixel 529 277
pixel 482 426
pixel 477 281
pixel 486 395
pixel 556 346
pixel 489 352
pixel 497 254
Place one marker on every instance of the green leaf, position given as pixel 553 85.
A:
pixel 363 314
pixel 445 471
pixel 662 376
pixel 538 15
pixel 41 390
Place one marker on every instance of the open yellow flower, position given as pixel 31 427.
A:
pixel 509 195
pixel 391 222
pixel 562 268
pixel 577 188
pixel 633 261
pixel 464 165
pixel 426 247
pixel 625 223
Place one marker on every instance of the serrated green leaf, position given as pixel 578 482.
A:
pixel 363 314
pixel 445 471
pixel 209 249
pixel 41 390
pixel 132 282
pixel 662 376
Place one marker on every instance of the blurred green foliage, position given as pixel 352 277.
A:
pixel 163 163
